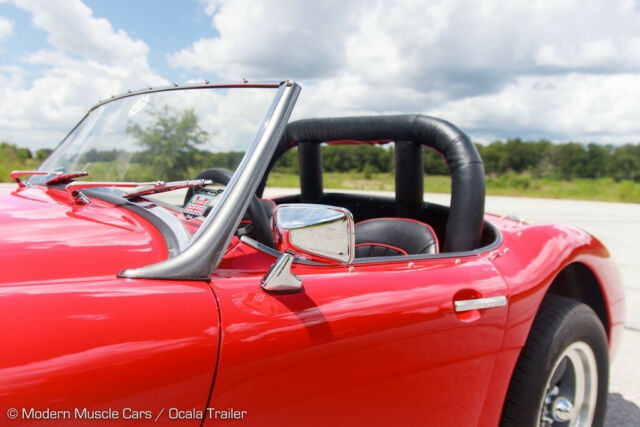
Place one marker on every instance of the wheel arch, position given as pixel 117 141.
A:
pixel 577 281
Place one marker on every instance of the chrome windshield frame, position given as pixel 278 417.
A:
pixel 207 246
pixel 205 85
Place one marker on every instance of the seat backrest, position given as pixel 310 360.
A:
pixel 394 236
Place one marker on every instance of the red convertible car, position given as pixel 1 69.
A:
pixel 146 279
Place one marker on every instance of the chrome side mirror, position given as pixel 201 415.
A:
pixel 317 232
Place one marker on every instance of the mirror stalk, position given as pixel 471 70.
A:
pixel 280 278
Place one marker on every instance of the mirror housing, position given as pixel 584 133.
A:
pixel 320 233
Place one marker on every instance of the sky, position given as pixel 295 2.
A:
pixel 563 70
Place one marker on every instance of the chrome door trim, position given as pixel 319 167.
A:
pixel 479 303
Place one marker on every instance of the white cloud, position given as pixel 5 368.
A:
pixel 260 39
pixel 6 28
pixel 604 55
pixel 72 28
pixel 87 60
pixel 582 107
pixel 563 69
pixel 544 68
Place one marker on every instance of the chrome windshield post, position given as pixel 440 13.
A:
pixel 206 248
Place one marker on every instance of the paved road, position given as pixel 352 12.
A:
pixel 617 225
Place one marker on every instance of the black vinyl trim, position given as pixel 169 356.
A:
pixel 409 177
pixel 386 259
pixel 488 227
pixel 310 170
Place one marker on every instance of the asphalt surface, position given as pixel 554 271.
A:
pixel 617 225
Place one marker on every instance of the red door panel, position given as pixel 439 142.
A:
pixel 378 344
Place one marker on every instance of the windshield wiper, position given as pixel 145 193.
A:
pixel 161 187
pixel 144 188
pixel 66 177
pixel 60 177
pixel 15 175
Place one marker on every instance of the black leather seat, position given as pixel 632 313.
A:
pixel 394 236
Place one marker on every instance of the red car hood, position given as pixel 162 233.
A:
pixel 44 235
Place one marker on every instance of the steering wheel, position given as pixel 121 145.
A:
pixel 260 224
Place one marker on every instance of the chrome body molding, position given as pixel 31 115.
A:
pixel 479 303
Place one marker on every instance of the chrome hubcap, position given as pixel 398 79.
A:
pixel 562 409
pixel 572 388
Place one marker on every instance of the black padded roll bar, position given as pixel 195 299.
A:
pixel 310 166
pixel 464 224
pixel 409 171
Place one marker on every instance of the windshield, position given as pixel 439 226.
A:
pixel 165 135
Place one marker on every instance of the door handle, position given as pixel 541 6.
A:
pixel 479 303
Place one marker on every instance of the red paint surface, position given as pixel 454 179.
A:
pixel 374 344
pixel 45 236
pixel 378 344
pixel 74 335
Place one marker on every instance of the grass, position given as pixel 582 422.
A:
pixel 510 184
pixel 605 189
pixel 8 165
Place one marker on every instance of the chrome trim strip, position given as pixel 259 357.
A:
pixel 206 248
pixel 204 85
pixel 479 303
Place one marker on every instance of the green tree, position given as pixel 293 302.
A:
pixel 14 158
pixel 570 160
pixel 43 153
pixel 625 162
pixel 288 162
pixel 434 163
pixel 492 157
pixel 598 160
pixel 171 142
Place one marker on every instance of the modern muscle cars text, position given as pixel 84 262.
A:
pixel 79 414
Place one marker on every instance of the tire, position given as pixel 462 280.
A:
pixel 566 347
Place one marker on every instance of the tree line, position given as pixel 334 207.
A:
pixel 541 159
pixel 13 157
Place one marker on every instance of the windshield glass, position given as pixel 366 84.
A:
pixel 163 136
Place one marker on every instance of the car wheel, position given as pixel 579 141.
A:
pixel 561 377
